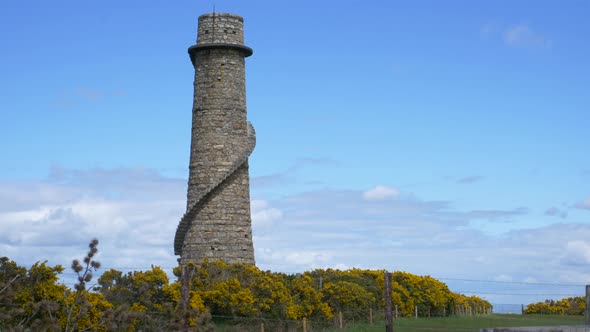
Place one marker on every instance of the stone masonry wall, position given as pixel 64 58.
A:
pixel 220 28
pixel 219 117
pixel 218 188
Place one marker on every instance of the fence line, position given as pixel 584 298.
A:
pixel 345 316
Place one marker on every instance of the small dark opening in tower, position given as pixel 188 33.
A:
pixel 225 30
pixel 206 31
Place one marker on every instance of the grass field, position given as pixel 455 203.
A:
pixel 448 324
pixel 473 323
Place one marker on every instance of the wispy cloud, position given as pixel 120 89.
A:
pixel 89 94
pixel 263 215
pixel 497 214
pixel 585 204
pixel 123 208
pixel 134 213
pixel 270 180
pixel 82 96
pixel 328 228
pixel 520 35
pixel 290 174
pixel 470 179
pixel 577 252
pixel 503 278
pixel 380 193
pixel 555 212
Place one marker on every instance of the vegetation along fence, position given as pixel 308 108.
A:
pixel 243 297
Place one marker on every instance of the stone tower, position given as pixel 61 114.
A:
pixel 217 222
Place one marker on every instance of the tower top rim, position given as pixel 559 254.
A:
pixel 222 14
pixel 247 51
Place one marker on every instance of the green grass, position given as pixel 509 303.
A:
pixel 447 324
pixel 467 324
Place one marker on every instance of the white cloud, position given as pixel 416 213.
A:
pixel 258 204
pixel 575 277
pixel 522 35
pixel 380 193
pixel 294 261
pixel 515 35
pixel 585 205
pixel 263 216
pixel 423 237
pixel 310 258
pixel 577 252
pixel 503 278
pixel 134 214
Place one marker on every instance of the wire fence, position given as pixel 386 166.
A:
pixel 457 318
pixel 517 293
pixel 510 297
pixel 343 322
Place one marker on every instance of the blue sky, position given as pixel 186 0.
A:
pixel 443 138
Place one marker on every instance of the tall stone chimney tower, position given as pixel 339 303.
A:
pixel 217 222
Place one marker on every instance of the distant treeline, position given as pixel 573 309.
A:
pixel 568 306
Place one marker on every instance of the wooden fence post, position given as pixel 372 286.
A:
pixel 396 312
pixel 304 324
pixel 340 319
pixel 387 295
pixel 371 314
pixel 587 310
pixel 416 311
pixel 261 326
pixel 185 294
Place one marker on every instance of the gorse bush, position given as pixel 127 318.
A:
pixel 568 306
pixel 33 299
pixel 246 291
